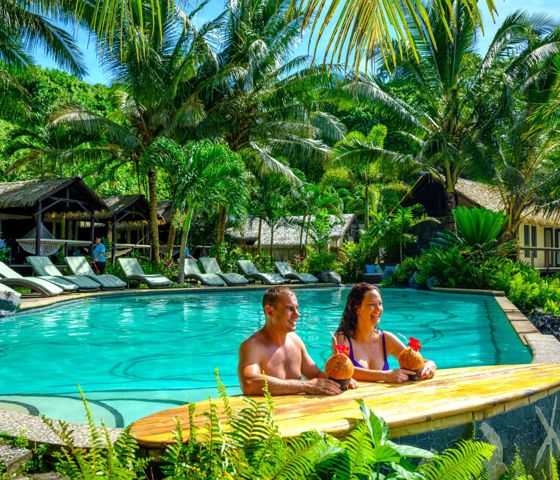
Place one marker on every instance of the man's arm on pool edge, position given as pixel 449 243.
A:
pixel 252 380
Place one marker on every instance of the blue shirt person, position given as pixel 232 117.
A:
pixel 99 259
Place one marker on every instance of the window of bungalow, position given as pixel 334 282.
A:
pixel 530 240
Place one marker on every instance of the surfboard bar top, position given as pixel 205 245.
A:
pixel 453 397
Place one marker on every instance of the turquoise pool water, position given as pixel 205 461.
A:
pixel 133 356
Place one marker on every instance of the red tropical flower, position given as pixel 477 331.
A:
pixel 344 349
pixel 414 344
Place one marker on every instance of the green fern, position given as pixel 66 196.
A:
pixel 553 468
pixel 460 463
pixel 102 459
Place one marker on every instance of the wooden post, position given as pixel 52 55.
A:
pixel 38 229
pixel 91 232
pixel 114 241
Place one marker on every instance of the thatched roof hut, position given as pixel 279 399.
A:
pixel 56 194
pixel 287 232
pixel 31 201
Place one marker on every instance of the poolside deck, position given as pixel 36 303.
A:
pixel 453 397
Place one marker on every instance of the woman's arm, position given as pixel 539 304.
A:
pixel 397 375
pixel 395 347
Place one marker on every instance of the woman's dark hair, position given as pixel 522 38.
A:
pixel 349 321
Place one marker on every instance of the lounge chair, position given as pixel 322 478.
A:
pixel 47 270
pixel 192 271
pixel 286 271
pixel 12 278
pixel 210 265
pixel 373 273
pixel 249 270
pixel 80 266
pixel 134 273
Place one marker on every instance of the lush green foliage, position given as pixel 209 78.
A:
pixel 478 226
pixel 104 459
pixel 467 268
pixel 246 443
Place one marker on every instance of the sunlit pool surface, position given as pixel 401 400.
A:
pixel 134 356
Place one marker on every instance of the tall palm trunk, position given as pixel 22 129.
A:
pixel 301 232
pixel 259 236
pixel 451 203
pixel 271 238
pixel 222 221
pixel 366 209
pixel 154 229
pixel 172 233
pixel 183 246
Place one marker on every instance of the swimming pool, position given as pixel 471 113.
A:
pixel 134 355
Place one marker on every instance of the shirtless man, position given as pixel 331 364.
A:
pixel 278 351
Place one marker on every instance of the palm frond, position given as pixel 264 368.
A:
pixel 270 163
pixel 364 28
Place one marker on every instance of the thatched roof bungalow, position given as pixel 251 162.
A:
pixel 25 205
pixel 287 234
pixel 537 230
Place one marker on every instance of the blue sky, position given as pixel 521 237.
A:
pixel 505 7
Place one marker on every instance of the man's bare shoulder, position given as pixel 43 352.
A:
pixel 259 340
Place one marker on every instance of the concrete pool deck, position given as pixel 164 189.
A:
pixel 545 348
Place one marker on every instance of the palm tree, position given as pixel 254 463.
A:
pixel 447 120
pixel 265 104
pixel 159 94
pixel 523 143
pixel 203 174
pixel 362 27
pixel 366 155
pixel 23 28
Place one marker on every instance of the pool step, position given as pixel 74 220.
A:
pixel 13 458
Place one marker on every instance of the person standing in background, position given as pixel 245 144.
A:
pixel 99 259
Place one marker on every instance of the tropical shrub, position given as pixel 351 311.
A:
pixel 317 261
pixel 355 256
pixel 104 459
pixel 478 226
pixel 263 261
pixel 227 257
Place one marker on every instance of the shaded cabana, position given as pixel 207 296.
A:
pixel 127 212
pixel 26 205
pixel 123 213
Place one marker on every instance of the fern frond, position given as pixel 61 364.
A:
pixel 359 450
pixel 459 463
pixel 516 469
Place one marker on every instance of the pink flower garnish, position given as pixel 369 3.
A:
pixel 414 344
pixel 344 349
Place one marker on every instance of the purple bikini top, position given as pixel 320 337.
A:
pixel 356 364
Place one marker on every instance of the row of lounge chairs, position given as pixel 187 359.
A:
pixel 215 277
pixel 50 281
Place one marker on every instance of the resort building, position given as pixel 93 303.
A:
pixel 538 235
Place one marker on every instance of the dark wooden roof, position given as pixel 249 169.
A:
pixel 429 192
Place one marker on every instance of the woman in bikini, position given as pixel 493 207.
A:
pixel 370 346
